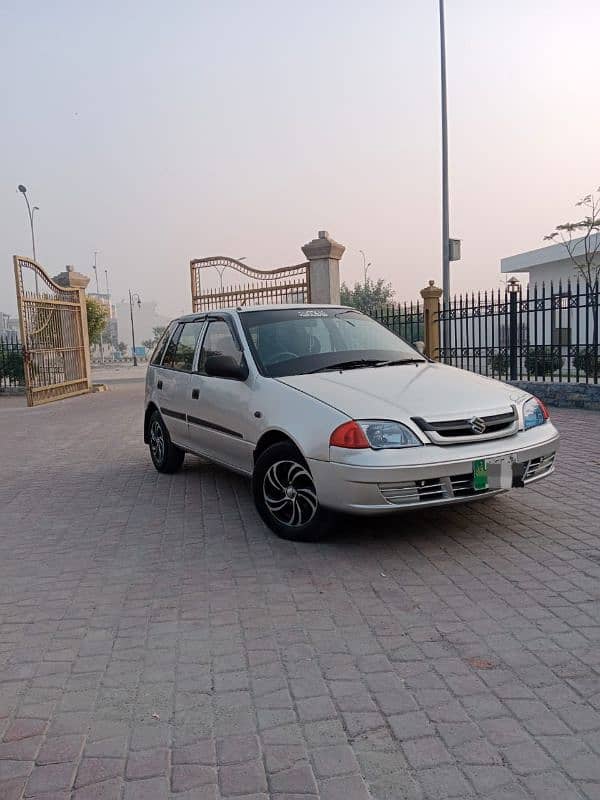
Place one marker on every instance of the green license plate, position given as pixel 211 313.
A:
pixel 480 475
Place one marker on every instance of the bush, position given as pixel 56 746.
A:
pixel 499 363
pixel 587 361
pixel 543 360
pixel 12 369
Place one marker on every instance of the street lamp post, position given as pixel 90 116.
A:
pixel 95 268
pixel 30 212
pixel 445 202
pixel 133 298
pixel 365 267
pixel 221 270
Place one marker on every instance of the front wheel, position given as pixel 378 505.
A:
pixel 166 456
pixel 285 495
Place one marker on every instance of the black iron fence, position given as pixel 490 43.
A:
pixel 404 319
pixel 11 364
pixel 539 333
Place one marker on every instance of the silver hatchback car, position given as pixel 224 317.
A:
pixel 326 410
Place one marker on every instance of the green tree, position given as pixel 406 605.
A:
pixel 370 294
pixel 581 240
pixel 97 319
pixel 122 348
pixel 157 332
pixel 11 365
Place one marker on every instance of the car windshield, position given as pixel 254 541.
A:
pixel 302 340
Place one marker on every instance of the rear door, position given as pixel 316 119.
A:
pixel 173 379
pixel 220 415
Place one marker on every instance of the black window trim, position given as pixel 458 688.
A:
pixel 228 320
pixel 168 333
pixel 182 323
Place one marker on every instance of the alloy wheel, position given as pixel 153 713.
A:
pixel 157 441
pixel 289 493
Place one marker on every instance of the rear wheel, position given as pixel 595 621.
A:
pixel 166 456
pixel 285 495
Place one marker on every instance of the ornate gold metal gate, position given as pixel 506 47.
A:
pixel 283 285
pixel 53 334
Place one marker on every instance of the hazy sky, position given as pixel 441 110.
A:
pixel 159 131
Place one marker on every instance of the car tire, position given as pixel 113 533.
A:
pixel 285 495
pixel 165 455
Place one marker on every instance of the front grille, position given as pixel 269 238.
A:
pixel 538 468
pixel 459 431
pixel 429 490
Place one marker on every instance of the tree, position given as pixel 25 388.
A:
pixel 370 294
pixel 148 344
pixel 581 240
pixel 157 332
pixel 122 348
pixel 97 318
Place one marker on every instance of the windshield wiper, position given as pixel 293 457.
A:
pixel 356 363
pixel 397 361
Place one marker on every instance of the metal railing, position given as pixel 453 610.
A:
pixel 537 333
pixel 403 319
pixel 276 286
pixel 12 373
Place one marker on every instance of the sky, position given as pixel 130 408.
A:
pixel 157 132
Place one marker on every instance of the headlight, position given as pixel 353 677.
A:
pixel 534 413
pixel 383 435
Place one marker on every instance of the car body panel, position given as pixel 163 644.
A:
pixel 429 390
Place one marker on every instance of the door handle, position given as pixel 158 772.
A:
pixel 159 385
pixel 195 394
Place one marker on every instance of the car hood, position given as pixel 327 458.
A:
pixel 429 390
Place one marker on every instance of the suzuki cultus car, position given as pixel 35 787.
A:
pixel 327 411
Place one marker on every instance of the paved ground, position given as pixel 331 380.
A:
pixel 156 641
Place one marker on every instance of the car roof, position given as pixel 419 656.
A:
pixel 245 309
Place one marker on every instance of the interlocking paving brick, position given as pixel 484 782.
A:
pixel 336 760
pixel 235 779
pixel 156 641
pixel 298 779
pixel 426 752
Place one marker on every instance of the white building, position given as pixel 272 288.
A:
pixel 145 319
pixel 547 264
pixel 564 315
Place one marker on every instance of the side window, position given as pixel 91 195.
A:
pixel 219 341
pixel 172 347
pixel 181 356
pixel 162 344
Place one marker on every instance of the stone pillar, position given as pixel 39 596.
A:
pixel 431 310
pixel 72 279
pixel 324 256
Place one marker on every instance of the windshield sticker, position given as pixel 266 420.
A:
pixel 313 313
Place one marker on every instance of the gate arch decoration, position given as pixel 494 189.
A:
pixel 53 322
pixel 283 285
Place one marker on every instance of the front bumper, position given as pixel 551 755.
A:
pixel 431 475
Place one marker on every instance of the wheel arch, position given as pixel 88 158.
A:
pixel 152 407
pixel 274 436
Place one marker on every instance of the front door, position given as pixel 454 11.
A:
pixel 174 377
pixel 220 418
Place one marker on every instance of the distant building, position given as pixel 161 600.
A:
pixel 145 319
pixel 9 327
pixel 110 337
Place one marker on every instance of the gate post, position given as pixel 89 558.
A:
pixel 324 256
pixel 76 280
pixel 431 316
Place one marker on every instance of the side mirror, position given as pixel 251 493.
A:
pixel 226 367
pixel 420 347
